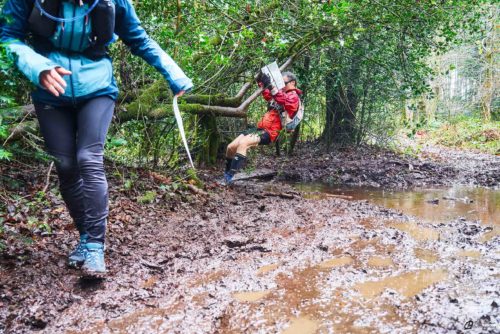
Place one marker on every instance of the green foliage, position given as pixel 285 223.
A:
pixel 5 155
pixel 193 178
pixel 148 197
pixel 6 99
pixel 464 132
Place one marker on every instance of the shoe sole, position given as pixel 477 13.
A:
pixel 75 264
pixel 86 274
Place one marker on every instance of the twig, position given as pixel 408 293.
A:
pixel 47 180
pixel 196 190
pixel 14 132
pixel 151 265
pixel 281 195
pixel 339 196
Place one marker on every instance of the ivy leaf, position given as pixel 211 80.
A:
pixel 5 155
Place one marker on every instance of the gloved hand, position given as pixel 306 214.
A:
pixel 264 80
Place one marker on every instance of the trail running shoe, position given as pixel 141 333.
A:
pixel 77 256
pixel 228 178
pixel 94 266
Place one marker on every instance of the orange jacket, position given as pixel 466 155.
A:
pixel 271 121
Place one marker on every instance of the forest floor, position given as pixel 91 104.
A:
pixel 280 255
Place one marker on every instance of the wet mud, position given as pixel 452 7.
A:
pixel 380 168
pixel 268 257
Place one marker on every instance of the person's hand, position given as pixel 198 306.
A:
pixel 180 93
pixel 266 81
pixel 52 80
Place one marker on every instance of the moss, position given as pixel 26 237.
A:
pixel 149 98
pixel 213 100
pixel 215 40
pixel 210 140
pixel 159 111
pixel 148 197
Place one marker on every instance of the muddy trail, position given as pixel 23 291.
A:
pixel 285 254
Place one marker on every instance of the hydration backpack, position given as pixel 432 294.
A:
pixel 291 123
pixel 44 19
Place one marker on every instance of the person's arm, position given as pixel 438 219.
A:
pixel 13 30
pixel 289 100
pixel 266 94
pixel 129 29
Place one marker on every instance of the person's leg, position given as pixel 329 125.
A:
pixel 58 128
pixel 244 143
pixel 233 146
pixel 94 118
pixel 247 142
pixel 231 152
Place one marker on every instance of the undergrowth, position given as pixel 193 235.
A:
pixel 463 132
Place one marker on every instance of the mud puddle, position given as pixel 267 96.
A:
pixel 433 205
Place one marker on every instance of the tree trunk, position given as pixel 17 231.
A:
pixel 341 105
pixel 487 87
pixel 294 138
pixel 209 140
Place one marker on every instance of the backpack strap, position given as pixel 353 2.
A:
pixel 39 23
pixel 44 18
pixel 103 28
pixel 291 124
pixel 61 19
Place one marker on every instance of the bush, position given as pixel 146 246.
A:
pixel 466 132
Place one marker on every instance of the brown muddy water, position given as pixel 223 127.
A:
pixel 432 205
pixel 376 280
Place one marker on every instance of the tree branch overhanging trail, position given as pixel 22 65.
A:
pixel 154 102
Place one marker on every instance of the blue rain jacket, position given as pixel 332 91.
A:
pixel 89 78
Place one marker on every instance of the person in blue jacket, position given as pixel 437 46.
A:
pixel 75 96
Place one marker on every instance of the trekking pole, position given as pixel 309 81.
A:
pixel 180 125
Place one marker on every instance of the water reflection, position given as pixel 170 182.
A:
pixel 429 204
pixel 302 325
pixel 408 284
pixel 250 296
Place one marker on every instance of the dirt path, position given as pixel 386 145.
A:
pixel 262 257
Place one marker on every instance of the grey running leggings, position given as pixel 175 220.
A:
pixel 75 137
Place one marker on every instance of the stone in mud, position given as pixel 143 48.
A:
pixel 235 241
pixel 471 230
pixel 323 248
pixel 346 177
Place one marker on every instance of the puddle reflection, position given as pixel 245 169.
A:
pixel 432 205
pixel 302 325
pixel 426 255
pixel 417 232
pixel 250 296
pixel 408 284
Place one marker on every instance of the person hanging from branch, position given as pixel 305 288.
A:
pixel 281 104
pixel 75 96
